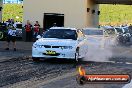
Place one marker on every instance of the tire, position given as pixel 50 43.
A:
pixel 36 59
pixel 77 55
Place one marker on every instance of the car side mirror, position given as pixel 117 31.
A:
pixel 38 37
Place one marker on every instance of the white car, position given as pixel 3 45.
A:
pixel 60 42
pixel 94 36
pixel 99 38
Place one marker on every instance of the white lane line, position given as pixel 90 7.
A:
pixel 119 62
pixel 128 62
pixel 110 61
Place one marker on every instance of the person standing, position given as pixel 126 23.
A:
pixel 28 29
pixel 11 36
pixel 36 29
pixel 54 25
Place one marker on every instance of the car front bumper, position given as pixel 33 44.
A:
pixel 60 53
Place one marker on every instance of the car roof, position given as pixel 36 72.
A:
pixel 63 28
pixel 92 29
pixel 118 27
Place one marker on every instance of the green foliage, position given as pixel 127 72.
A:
pixel 109 13
pixel 116 13
pixel 12 11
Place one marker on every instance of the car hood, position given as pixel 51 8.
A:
pixel 18 29
pixel 56 42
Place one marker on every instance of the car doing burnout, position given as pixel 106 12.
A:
pixel 60 42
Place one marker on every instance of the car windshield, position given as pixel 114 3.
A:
pixel 19 26
pixel 93 32
pixel 119 30
pixel 60 34
pixel 126 30
pixel 110 31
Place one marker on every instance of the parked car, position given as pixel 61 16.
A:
pixel 60 42
pixel 118 30
pixel 108 31
pixel 123 35
pixel 3 31
pixel 18 27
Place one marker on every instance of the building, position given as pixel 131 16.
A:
pixel 67 13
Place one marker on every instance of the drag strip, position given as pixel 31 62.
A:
pixel 21 69
pixel 24 73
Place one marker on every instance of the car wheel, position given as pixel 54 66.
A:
pixel 77 55
pixel 36 59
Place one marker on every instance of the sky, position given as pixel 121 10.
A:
pixel 14 1
pixel 11 0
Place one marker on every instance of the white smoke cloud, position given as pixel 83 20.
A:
pixel 100 49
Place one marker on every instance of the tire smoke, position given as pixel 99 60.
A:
pixel 101 49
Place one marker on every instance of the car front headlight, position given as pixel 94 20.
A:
pixel 35 45
pixel 66 47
